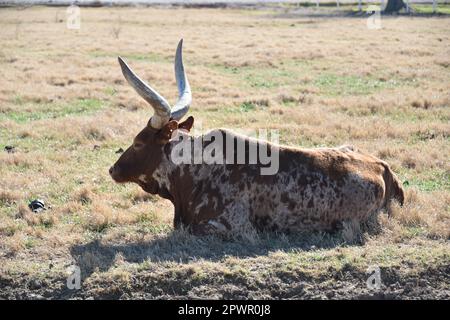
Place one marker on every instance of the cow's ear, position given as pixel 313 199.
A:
pixel 165 134
pixel 186 124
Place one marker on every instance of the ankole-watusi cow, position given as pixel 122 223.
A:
pixel 312 189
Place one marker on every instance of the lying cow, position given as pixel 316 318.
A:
pixel 312 189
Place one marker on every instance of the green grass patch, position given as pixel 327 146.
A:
pixel 110 91
pixel 430 181
pixel 18 100
pixel 53 110
pixel 247 106
pixel 268 78
pixel 286 73
pixel 332 84
pixel 30 243
pixel 414 115
pixel 414 231
pixel 152 57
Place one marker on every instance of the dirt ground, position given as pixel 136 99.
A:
pixel 321 80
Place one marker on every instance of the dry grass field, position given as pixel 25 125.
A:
pixel 320 81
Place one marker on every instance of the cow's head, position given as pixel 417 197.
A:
pixel 139 162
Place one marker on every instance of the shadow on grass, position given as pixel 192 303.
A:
pixel 181 247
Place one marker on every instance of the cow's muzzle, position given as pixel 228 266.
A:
pixel 114 172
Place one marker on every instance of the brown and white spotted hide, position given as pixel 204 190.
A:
pixel 314 189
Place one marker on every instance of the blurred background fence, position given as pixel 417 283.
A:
pixel 389 6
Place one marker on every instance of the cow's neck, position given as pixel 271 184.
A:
pixel 163 173
pixel 166 173
pixel 176 183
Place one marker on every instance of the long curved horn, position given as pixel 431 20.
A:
pixel 159 104
pixel 184 89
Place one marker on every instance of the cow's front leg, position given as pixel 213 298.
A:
pixel 177 222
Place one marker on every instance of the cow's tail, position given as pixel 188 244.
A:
pixel 394 188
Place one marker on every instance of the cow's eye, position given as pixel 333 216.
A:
pixel 138 145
